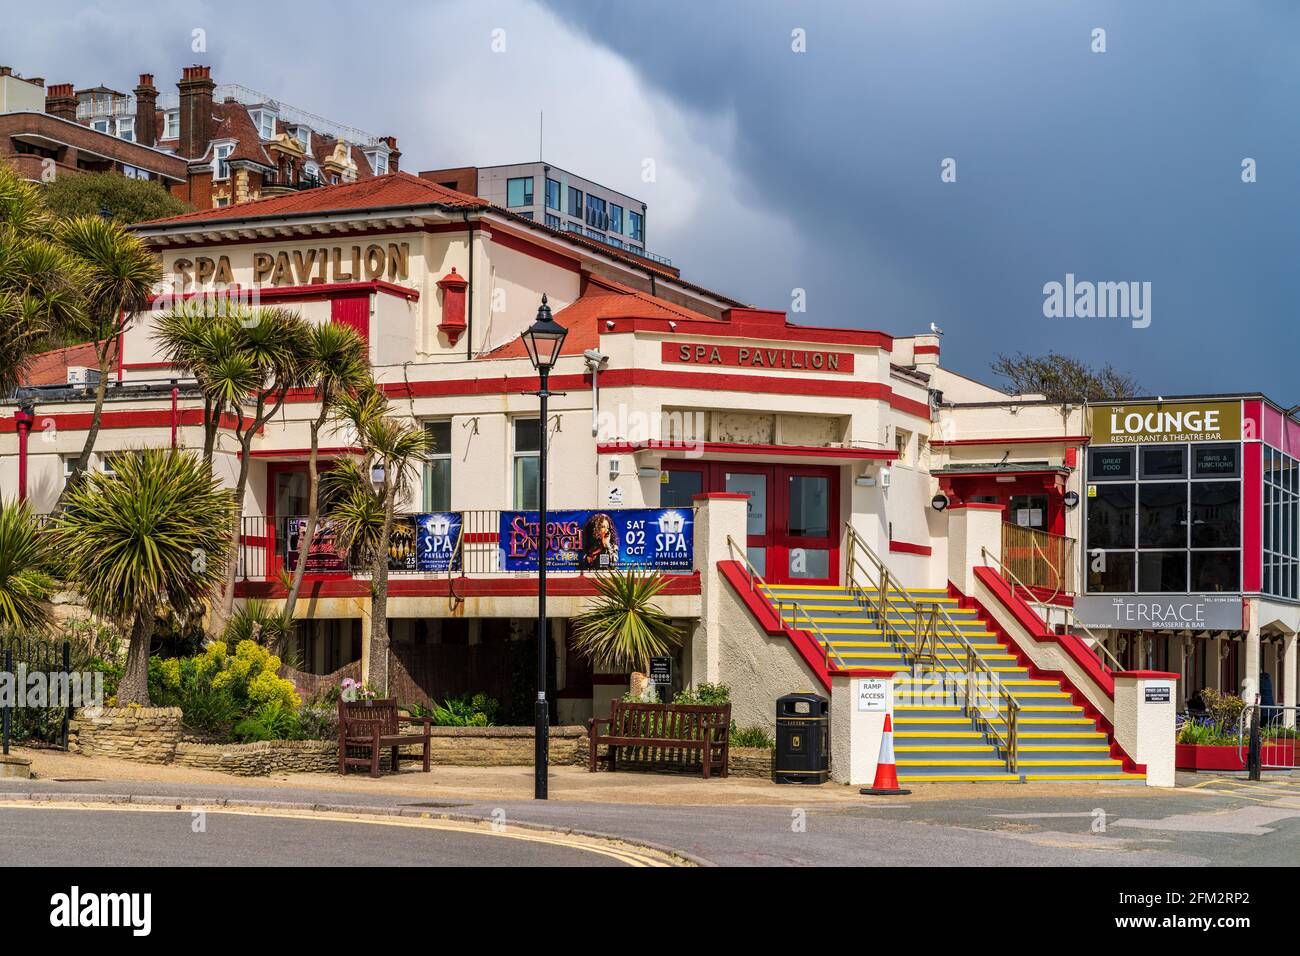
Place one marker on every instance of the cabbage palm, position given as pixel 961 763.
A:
pixel 623 628
pixel 338 364
pixel 26 561
pixel 154 534
pixel 363 513
pixel 117 274
pixel 39 280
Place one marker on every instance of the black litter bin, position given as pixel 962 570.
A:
pixel 803 739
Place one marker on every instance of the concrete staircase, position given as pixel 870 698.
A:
pixel 936 740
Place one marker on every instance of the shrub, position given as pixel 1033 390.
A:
pixel 216 691
pixel 477 710
pixel 271 721
pixel 1223 710
pixel 258 622
pixel 710 695
pixel 751 737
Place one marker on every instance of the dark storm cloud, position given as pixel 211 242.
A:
pixel 1115 166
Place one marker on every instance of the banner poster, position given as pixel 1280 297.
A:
pixel 401 543
pixel 324 554
pixel 436 537
pixel 647 539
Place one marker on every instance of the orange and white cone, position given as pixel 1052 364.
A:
pixel 886 782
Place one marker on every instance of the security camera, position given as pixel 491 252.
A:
pixel 595 359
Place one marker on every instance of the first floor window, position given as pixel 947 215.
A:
pixel 437 469
pixel 519 191
pixel 220 153
pixel 527 447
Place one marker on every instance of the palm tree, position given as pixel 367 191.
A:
pixel 25 564
pixel 337 365
pixel 363 504
pixel 623 629
pixel 246 362
pixel 39 280
pixel 117 276
pixel 153 535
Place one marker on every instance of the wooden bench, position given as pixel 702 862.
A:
pixel 373 725
pixel 663 728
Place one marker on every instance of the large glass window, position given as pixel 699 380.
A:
pixel 552 193
pixel 437 469
pixel 1216 571
pixel 1110 517
pixel 1110 571
pixel 575 201
pixel 1162 515
pixel 636 226
pixel 1281 524
pixel 1159 461
pixel 1110 464
pixel 597 218
pixel 1216 514
pixel 519 191
pixel 1162 571
pixel 527 446
pixel 616 218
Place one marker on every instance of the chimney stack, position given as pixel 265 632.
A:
pixel 146 105
pixel 196 89
pixel 60 101
pixel 394 154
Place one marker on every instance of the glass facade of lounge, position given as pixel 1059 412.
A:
pixel 1164 518
pixel 1281 516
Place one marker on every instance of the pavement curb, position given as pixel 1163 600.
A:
pixel 240 803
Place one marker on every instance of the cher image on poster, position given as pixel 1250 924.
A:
pixel 599 543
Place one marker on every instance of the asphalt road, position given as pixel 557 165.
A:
pixel 1218 823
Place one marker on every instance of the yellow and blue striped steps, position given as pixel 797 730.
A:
pixel 936 740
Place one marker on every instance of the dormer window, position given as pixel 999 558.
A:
pixel 126 128
pixel 378 158
pixel 264 120
pixel 304 138
pixel 172 124
pixel 220 153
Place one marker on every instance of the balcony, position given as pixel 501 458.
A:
pixel 278 184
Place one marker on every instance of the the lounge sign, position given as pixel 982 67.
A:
pixel 757 356
pixel 373 261
pixel 1160 612
pixel 1157 422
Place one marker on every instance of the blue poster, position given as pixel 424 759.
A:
pixel 435 538
pixel 647 539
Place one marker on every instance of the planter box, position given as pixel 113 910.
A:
pixel 1217 757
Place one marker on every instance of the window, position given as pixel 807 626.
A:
pixel 264 120
pixel 379 161
pixel 303 133
pixel 1110 517
pixel 527 445
pixel 809 506
pixel 220 152
pixel 437 468
pixel 1029 511
pixel 902 438
pixel 519 191
pixel 597 218
pixel 126 128
pixel 1162 515
pixel 1281 524
pixel 171 124
pixel 100 125
pixel 134 172
pixel 554 221
pixel 1110 464
pixel 575 201
pixel 616 218
pixel 575 227
pixel 636 224
pixel 1158 462
pixel 552 194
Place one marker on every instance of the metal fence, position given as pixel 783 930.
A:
pixel 1039 559
pixel 1279 746
pixel 21 657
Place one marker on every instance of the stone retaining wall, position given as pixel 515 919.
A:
pixel 153 735
pixel 146 734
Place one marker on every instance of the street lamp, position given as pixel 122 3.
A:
pixel 544 339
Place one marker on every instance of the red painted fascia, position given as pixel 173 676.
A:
pixel 742 448
pixel 755 324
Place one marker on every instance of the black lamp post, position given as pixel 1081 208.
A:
pixel 543 340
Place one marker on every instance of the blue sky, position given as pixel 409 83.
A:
pixel 776 170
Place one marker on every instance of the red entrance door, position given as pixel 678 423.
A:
pixel 793 513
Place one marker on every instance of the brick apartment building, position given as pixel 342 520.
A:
pixel 210 145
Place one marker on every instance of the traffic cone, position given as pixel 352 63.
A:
pixel 886 782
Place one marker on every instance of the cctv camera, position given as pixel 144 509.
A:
pixel 595 358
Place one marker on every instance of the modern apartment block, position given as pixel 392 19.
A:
pixel 556 198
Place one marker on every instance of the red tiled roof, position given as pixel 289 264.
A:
pixel 51 368
pixel 394 189
pixel 603 300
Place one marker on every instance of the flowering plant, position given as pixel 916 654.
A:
pixel 352 690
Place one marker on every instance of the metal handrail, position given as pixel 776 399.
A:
pixel 926 631
pixel 1074 622
pixel 779 604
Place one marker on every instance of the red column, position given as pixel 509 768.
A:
pixel 23 420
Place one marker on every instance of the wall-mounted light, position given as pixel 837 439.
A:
pixel 885 475
pixel 1071 499
pixel 613 468
pixel 647 471
pixel 939 502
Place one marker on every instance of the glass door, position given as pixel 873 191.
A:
pixel 806 545
pixel 754 482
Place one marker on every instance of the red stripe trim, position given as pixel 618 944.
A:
pixel 902 547
pixel 151 418
pixel 909 406
pixel 741 448
pixel 768 331
pixel 321 290
pixel 566 586
pixel 926 350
